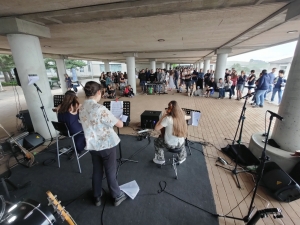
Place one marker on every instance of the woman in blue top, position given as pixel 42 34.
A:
pixel 279 84
pixel 67 112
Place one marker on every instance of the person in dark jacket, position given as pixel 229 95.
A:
pixel 210 87
pixel 279 84
pixel 262 86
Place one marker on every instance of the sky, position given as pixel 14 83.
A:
pixel 268 54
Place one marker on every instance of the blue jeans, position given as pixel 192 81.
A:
pixel 176 83
pixel 143 85
pixel 221 93
pixel 187 84
pixel 269 90
pixel 259 97
pixel 279 94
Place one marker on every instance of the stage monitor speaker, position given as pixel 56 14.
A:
pixel 281 186
pixel 17 76
pixel 32 141
pixel 149 119
pixel 241 154
pixel 26 120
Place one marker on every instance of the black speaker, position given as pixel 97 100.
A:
pixel 278 183
pixel 149 119
pixel 26 119
pixel 32 141
pixel 241 154
pixel 17 76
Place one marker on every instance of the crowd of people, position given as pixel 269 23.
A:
pixel 198 83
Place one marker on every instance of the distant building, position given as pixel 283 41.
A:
pixel 282 64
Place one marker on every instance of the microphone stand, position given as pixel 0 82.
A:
pixel 121 160
pixel 260 213
pixel 44 114
pixel 242 118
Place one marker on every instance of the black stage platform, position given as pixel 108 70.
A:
pixel 149 207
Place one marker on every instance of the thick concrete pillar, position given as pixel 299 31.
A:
pixel 152 64
pixel 28 57
pixel 206 64
pixel 168 66
pixel 163 65
pixel 130 61
pixel 222 55
pixel 201 65
pixel 287 132
pixel 106 66
pixel 61 69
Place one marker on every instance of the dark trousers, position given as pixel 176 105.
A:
pixel 230 92
pixel 233 89
pixel 176 83
pixel 200 83
pixel 107 159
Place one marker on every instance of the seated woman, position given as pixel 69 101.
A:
pixel 210 87
pixel 67 112
pixel 174 122
pixel 111 91
pixel 128 91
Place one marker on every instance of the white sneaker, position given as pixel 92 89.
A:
pixel 157 161
pixel 180 161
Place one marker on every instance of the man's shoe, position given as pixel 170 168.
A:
pixel 97 201
pixel 255 106
pixel 158 161
pixel 261 106
pixel 120 199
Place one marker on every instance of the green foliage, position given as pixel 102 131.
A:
pixel 239 68
pixel 70 63
pixel 50 63
pixel 11 83
pixel 6 63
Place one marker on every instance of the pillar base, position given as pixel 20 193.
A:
pixel 281 157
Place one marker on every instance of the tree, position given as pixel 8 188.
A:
pixel 70 63
pixel 6 65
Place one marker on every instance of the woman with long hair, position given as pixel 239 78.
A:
pixel 67 112
pixel 101 140
pixel 174 122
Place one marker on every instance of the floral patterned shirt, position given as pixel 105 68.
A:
pixel 97 122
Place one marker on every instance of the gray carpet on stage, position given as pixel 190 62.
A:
pixel 149 207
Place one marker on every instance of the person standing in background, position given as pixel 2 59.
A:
pixel 279 84
pixel 272 77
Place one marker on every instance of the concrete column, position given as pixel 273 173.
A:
pixel 130 61
pixel 28 57
pixel 61 69
pixel 222 55
pixel 168 66
pixel 163 65
pixel 206 64
pixel 201 65
pixel 153 64
pixel 287 132
pixel 106 66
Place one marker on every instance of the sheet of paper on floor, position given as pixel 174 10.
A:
pixel 131 189
pixel 124 118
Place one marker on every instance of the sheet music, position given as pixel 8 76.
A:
pixel 195 118
pixel 124 118
pixel 131 189
pixel 32 78
pixel 116 108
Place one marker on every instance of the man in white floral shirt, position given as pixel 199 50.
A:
pixel 101 140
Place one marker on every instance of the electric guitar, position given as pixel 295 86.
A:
pixel 60 209
pixel 28 155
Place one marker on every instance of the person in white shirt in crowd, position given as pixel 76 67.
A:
pixel 271 76
pixel 101 140
pixel 221 87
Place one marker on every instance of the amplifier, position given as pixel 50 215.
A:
pixel 279 184
pixel 149 119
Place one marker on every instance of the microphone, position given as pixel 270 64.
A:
pixel 276 115
pixel 37 87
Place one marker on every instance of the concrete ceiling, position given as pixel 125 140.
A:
pixel 192 29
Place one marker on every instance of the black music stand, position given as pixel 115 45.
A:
pixel 126 111
pixel 188 112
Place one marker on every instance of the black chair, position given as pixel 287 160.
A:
pixel 62 130
pixel 173 161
